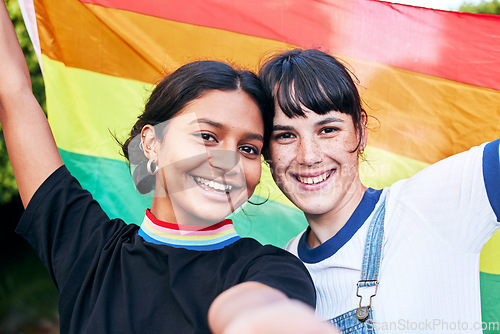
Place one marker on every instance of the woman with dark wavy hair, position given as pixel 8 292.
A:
pixel 184 270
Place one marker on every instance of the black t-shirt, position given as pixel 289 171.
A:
pixel 112 281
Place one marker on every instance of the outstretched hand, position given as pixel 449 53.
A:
pixel 255 308
pixel 290 317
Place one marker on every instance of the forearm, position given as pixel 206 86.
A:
pixel 30 144
pixel 255 308
pixel 14 74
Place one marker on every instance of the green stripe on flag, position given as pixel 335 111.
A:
pixel 270 223
pixel 490 302
pixel 110 183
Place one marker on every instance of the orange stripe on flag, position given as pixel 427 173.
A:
pixel 136 46
pixel 397 35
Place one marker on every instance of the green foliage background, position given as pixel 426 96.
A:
pixel 484 7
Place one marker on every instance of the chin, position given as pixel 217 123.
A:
pixel 215 217
pixel 314 210
pixel 315 207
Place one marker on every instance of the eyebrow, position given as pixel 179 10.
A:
pixel 207 121
pixel 279 127
pixel 255 136
pixel 249 135
pixel 330 120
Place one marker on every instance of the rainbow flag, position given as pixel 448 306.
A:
pixel 431 78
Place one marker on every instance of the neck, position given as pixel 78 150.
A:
pixel 190 237
pixel 163 209
pixel 326 225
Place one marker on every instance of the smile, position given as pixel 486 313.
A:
pixel 314 180
pixel 212 185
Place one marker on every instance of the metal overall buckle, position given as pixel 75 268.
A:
pixel 363 312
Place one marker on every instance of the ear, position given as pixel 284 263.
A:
pixel 150 143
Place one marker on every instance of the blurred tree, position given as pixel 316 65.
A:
pixel 8 187
pixel 484 7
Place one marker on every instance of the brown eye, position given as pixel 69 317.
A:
pixel 249 150
pixel 329 130
pixel 285 135
pixel 207 137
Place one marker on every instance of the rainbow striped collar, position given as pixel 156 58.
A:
pixel 188 236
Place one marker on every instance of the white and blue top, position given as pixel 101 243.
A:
pixel 436 224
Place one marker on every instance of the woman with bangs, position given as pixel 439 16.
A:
pixel 382 260
pixel 197 145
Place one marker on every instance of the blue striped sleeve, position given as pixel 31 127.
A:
pixel 491 174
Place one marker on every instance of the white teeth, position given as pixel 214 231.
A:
pixel 314 180
pixel 212 184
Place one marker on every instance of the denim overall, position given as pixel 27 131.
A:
pixel 360 320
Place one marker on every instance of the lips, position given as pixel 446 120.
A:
pixel 313 179
pixel 213 185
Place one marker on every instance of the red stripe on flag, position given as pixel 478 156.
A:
pixel 456 46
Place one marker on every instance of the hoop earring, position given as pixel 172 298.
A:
pixel 141 146
pixel 148 167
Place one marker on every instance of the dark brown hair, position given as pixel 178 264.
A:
pixel 315 80
pixel 171 95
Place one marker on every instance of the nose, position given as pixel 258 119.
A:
pixel 309 152
pixel 223 161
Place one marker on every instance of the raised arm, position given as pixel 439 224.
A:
pixel 30 144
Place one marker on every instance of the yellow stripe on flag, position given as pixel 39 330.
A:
pixel 96 112
pixel 383 168
pixel 424 117
pixel 490 255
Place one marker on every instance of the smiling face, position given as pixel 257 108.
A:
pixel 209 158
pixel 315 160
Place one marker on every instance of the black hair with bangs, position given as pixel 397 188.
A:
pixel 315 80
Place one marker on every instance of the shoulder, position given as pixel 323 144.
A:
pixel 249 247
pixel 278 269
pixel 475 172
pixel 257 259
pixel 456 199
pixel 60 181
pixel 293 244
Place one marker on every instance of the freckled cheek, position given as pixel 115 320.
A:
pixel 339 151
pixel 278 170
pixel 281 156
pixel 349 164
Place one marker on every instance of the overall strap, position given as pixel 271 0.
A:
pixel 368 284
pixel 373 247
